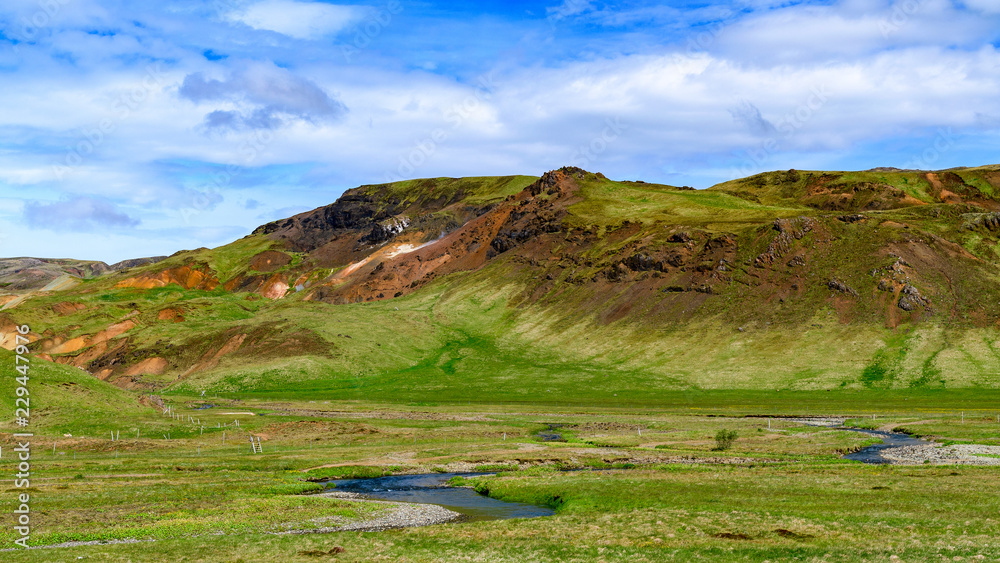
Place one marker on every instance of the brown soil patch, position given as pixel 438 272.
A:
pixel 66 308
pixel 311 428
pixel 894 225
pixel 274 288
pixel 59 346
pixel 269 261
pixel 211 358
pixel 151 366
pixel 171 314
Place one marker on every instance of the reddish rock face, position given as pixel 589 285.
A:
pixel 184 276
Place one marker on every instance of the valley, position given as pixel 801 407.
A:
pixel 454 326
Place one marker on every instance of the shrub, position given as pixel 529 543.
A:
pixel 724 439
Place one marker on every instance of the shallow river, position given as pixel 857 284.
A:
pixel 873 454
pixel 433 488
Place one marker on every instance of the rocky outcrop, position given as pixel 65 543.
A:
pixel 910 298
pixel 789 230
pixel 837 285
pixel 384 231
pixel 985 221
pixel 355 210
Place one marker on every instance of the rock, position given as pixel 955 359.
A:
pixel 385 230
pixel 840 286
pixel 910 298
pixel 988 221
pixel 852 218
pixel 643 263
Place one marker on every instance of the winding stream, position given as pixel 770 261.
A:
pixel 873 454
pixel 433 488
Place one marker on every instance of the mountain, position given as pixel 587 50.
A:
pixel 564 286
pixel 25 274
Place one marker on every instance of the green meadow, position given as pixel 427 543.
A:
pixel 627 483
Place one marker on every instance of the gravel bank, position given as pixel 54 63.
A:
pixel 963 454
pixel 399 515
pixel 828 422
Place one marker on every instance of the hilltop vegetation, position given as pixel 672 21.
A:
pixel 566 287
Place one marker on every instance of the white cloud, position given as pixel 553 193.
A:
pixel 987 6
pixel 690 111
pixel 842 31
pixel 569 8
pixel 271 95
pixel 302 20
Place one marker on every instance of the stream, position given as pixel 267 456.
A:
pixel 873 454
pixel 432 488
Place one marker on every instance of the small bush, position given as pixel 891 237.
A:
pixel 724 439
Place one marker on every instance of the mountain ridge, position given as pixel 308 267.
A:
pixel 570 269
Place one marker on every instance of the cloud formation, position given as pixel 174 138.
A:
pixel 263 96
pixel 477 88
pixel 750 117
pixel 80 213
pixel 302 20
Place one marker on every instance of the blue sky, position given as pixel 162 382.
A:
pixel 133 130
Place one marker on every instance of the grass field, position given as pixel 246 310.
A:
pixel 663 492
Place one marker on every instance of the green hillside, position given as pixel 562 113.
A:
pixel 593 290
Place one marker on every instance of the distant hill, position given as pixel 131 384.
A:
pixel 567 283
pixel 25 274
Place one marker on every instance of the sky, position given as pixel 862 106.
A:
pixel 133 129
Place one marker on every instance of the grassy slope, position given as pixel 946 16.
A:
pixel 475 190
pixel 778 186
pixel 67 400
pixel 608 202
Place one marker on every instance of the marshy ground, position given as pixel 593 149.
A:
pixel 648 485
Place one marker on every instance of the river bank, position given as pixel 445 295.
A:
pixel 902 449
